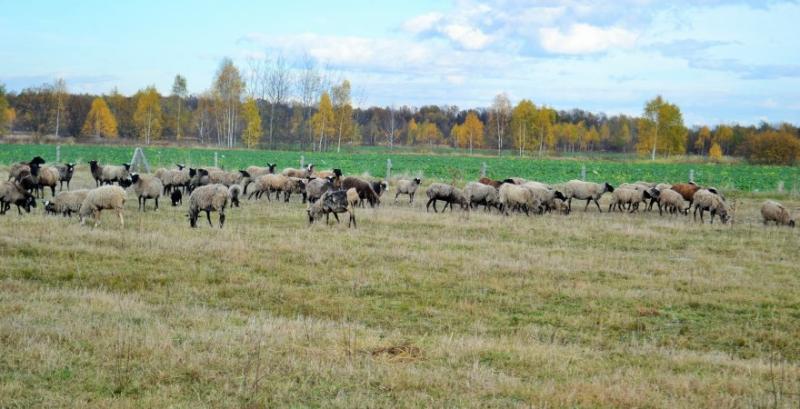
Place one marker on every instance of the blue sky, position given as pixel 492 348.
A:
pixel 720 61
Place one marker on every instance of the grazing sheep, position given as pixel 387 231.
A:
pixel 407 187
pixel 66 203
pixel 333 201
pixel 97 171
pixel 628 196
pixel 294 185
pixel 705 199
pixel 17 168
pixel 446 193
pixel 176 197
pixel 235 191
pixel 255 172
pixel 364 188
pixel 591 192
pixel 773 211
pixel 661 187
pixel 12 192
pixel 208 198
pixel 687 190
pixel 672 202
pixel 548 198
pixel 174 178
pixel 227 178
pixel 304 173
pixel 146 187
pixel 481 194
pixel 103 198
pixel 267 184
pixel 48 177
pixel 513 196
pixel 316 187
pixel 114 173
pixel 65 174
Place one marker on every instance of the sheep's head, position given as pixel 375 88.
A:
pixel 127 166
pixel 271 167
pixel 134 178
pixel 70 167
pixel 29 201
pixel 337 173
pixel 560 196
pixel 37 160
pixel 49 207
pixel 417 180
pixel 192 172
pixel 180 166
pixel 609 188
pixel 192 215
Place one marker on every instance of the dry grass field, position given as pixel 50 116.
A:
pixel 409 310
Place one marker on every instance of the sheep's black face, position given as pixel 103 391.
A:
pixel 30 202
pixel 609 188
pixel 49 207
pixel 337 172
pixel 791 223
pixel 127 166
pixel 193 218
pixel 192 172
pixel 559 195
pixel 310 217
pixel 417 180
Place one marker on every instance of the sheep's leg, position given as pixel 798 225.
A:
pixel 53 191
pixel 714 213
pixel 121 219
pixel 96 216
pixel 695 211
pixel 208 216
pixel 395 196
pixel 598 206
pixel 336 216
pixel 427 205
pixel 221 219
pixel 610 207
pixel 411 200
pixel 156 208
pixel 352 219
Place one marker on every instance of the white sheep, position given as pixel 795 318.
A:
pixel 480 194
pixel 590 192
pixel 518 197
pixel 208 198
pixel 407 187
pixel 773 211
pixel 446 193
pixel 627 196
pixel 705 199
pixel 549 198
pixel 672 202
pixel 146 187
pixel 66 203
pixel 103 198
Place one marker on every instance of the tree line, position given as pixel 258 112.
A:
pixel 274 104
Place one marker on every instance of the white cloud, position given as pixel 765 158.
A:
pixel 585 39
pixel 469 38
pixel 422 23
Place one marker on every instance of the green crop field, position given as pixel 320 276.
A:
pixel 444 167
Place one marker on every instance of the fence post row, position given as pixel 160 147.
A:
pixel 691 175
pixel 302 161
pixel 388 169
pixel 483 170
pixel 58 153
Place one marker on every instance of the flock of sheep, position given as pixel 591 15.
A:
pixel 330 192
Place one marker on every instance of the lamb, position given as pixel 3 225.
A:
pixel 513 196
pixel 146 187
pixel 591 192
pixel 176 197
pixel 12 192
pixel 447 194
pixel 773 211
pixel 626 195
pixel 705 199
pixel 255 172
pixel 18 168
pixel 207 199
pixel 65 174
pixel 333 201
pixel 316 187
pixel 407 187
pixel 672 202
pixel 48 177
pixel 235 191
pixel 548 198
pixel 481 194
pixel 364 188
pixel 66 203
pixel 304 173
pixel 103 198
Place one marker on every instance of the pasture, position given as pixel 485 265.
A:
pixel 412 309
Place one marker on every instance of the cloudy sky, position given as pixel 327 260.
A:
pixel 720 61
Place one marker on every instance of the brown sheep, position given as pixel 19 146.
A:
pixel 364 188
pixel 687 190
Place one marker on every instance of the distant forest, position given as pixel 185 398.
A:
pixel 272 104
